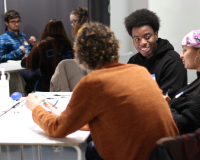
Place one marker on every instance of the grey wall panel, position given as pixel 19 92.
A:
pixel 98 11
pixel 2 26
pixel 35 14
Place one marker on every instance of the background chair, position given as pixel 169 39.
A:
pixel 66 76
pixel 183 147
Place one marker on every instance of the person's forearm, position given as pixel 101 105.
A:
pixel 13 55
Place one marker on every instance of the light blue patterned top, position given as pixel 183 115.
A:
pixel 9 46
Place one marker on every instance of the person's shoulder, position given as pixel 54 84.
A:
pixel 4 36
pixel 22 34
pixel 134 58
pixel 137 67
pixel 173 55
pixel 167 48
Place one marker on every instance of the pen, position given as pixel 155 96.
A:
pixel 167 92
pixel 55 103
pixel 56 97
pixel 41 95
pixel 18 103
pixel 60 95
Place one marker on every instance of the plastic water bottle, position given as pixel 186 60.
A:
pixel 4 87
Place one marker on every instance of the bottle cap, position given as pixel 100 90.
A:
pixel 3 77
pixel 16 96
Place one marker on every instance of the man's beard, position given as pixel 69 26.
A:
pixel 13 30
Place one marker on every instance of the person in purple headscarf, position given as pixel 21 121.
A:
pixel 185 106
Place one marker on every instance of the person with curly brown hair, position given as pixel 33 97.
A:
pixel 124 117
pixel 154 53
pixel 78 17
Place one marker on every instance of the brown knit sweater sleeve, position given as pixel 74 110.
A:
pixel 76 115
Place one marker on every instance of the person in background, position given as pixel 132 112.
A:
pixel 53 46
pixel 78 17
pixel 124 117
pixel 13 43
pixel 154 53
pixel 185 106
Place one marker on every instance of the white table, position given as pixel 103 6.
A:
pixel 12 66
pixel 18 128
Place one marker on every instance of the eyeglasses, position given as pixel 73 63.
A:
pixel 73 22
pixel 15 22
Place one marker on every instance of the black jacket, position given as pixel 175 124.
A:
pixel 166 65
pixel 185 107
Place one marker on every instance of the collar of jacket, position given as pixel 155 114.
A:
pixel 12 34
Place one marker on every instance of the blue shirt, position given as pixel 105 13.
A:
pixel 9 46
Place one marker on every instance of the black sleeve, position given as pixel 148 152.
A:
pixel 188 119
pixel 174 78
pixel 23 62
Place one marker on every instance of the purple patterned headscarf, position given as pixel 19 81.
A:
pixel 192 39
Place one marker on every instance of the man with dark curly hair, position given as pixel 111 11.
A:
pixel 154 53
pixel 117 108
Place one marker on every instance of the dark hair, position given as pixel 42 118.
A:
pixel 82 15
pixel 95 45
pixel 11 14
pixel 55 33
pixel 54 28
pixel 140 18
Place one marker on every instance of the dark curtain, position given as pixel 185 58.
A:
pixel 99 11
pixel 36 13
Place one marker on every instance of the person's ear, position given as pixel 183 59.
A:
pixel 198 52
pixel 156 35
pixel 6 23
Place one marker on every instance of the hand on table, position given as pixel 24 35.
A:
pixel 55 111
pixel 167 98
pixel 32 101
pixel 32 40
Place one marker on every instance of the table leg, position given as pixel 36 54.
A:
pixel 39 152
pixel 79 152
pixel 22 152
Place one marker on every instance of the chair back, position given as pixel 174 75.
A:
pixel 183 147
pixel 66 76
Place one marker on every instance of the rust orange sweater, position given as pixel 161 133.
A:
pixel 124 108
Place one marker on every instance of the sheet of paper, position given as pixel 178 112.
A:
pixel 62 98
pixel 7 105
pixel 14 61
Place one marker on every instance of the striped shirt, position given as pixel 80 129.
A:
pixel 9 46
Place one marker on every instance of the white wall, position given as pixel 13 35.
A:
pixel 178 17
pixel 119 10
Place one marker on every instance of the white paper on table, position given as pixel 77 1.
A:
pixel 7 105
pixel 14 61
pixel 62 102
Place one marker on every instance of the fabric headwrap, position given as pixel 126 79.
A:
pixel 192 39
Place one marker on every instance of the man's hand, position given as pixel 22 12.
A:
pixel 32 101
pixel 55 111
pixel 22 48
pixel 167 98
pixel 25 55
pixel 32 40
